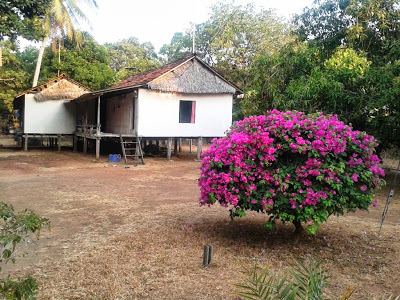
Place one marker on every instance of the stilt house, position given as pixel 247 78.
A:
pixel 43 110
pixel 183 99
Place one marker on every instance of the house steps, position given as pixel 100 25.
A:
pixel 131 147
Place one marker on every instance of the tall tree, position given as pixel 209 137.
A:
pixel 12 77
pixel 21 18
pixel 61 20
pixel 231 38
pixel 89 64
pixel 129 57
pixel 346 61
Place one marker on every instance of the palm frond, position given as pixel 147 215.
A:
pixel 264 286
pixel 310 279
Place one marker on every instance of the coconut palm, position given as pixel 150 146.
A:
pixel 61 20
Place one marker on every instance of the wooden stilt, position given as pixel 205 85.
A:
pixel 97 148
pixel 175 147
pixel 169 148
pixel 59 143
pixel 190 145
pixel 75 141
pixel 85 142
pixel 180 145
pixel 199 146
pixel 26 143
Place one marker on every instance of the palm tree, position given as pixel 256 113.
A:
pixel 61 20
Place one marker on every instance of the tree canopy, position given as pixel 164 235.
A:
pixel 231 37
pixel 344 61
pixel 12 78
pixel 89 64
pixel 22 18
pixel 129 57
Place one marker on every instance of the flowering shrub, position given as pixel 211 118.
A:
pixel 294 167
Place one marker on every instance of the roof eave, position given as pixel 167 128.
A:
pixel 95 94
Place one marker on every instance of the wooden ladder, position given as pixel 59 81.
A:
pixel 133 146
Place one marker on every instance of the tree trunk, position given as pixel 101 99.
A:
pixel 59 57
pixel 299 228
pixel 39 61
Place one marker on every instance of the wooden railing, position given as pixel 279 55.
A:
pixel 88 129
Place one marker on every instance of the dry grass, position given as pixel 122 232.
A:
pixel 158 256
pixel 137 243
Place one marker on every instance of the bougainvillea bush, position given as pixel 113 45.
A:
pixel 294 167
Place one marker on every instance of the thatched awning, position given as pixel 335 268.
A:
pixel 62 90
pixel 59 88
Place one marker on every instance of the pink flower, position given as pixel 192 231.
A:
pixel 363 188
pixel 354 177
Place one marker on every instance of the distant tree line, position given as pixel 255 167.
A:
pixel 337 56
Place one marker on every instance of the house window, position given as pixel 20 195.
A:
pixel 187 111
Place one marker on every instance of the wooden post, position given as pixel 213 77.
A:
pixel 97 148
pixel 86 112
pixel 175 147
pixel 26 143
pixel 75 143
pixel 180 145
pixel 98 117
pixel 169 148
pixel 190 145
pixel 199 146
pixel 59 142
pixel 85 142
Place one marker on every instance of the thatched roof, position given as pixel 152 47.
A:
pixel 189 74
pixel 186 75
pixel 59 88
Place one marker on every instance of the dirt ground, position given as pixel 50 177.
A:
pixel 139 233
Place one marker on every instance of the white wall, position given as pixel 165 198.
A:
pixel 119 114
pixel 49 117
pixel 158 114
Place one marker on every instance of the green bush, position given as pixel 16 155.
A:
pixel 14 229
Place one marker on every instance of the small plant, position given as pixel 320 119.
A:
pixel 265 286
pixel 14 229
pixel 308 281
pixel 18 289
pixel 294 167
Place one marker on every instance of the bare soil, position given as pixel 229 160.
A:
pixel 139 233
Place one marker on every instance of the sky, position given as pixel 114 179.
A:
pixel 156 21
